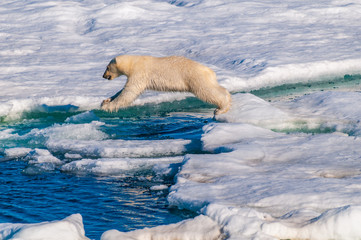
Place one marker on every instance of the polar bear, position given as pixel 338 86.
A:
pixel 173 73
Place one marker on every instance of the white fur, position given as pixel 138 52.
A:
pixel 164 74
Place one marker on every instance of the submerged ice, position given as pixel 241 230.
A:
pixel 281 168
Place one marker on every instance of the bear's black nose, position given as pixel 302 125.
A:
pixel 106 76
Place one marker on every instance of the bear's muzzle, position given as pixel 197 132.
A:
pixel 107 76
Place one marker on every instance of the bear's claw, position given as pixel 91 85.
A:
pixel 107 105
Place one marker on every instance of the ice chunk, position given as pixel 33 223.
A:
pixel 247 108
pixel 239 222
pixel 220 134
pixel 337 223
pixel 17 152
pixel 71 131
pixel 8 133
pixel 199 228
pixel 70 228
pixel 167 171
pixel 72 156
pixel 159 187
pixel 121 148
pixel 84 117
pixel 114 166
pixel 38 156
pixel 322 111
pixel 40 160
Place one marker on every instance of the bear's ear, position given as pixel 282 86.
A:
pixel 113 61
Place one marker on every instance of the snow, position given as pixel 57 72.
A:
pixel 69 44
pixel 285 169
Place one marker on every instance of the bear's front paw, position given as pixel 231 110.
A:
pixel 106 101
pixel 108 105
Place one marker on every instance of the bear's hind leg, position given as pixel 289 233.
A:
pixel 225 103
pixel 218 96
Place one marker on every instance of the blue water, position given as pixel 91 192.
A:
pixel 104 203
pixel 122 203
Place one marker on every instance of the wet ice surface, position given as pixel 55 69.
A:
pixel 282 163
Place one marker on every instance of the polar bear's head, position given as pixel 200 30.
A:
pixel 111 72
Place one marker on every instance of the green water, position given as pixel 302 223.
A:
pixel 291 91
